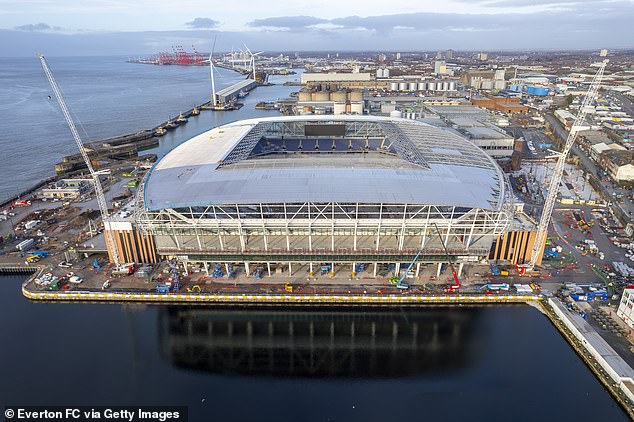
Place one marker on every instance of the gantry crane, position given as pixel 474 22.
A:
pixel 555 181
pixel 101 199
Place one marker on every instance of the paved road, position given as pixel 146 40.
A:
pixel 627 207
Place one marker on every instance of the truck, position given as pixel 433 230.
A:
pixel 123 270
pixel 31 224
pixel 22 203
pixel 25 245
pixel 41 254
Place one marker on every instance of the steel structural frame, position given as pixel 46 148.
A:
pixel 463 229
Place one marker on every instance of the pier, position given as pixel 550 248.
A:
pixel 231 93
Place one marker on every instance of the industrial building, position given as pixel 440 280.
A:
pixel 304 194
pixel 66 189
pixel 329 102
pixel 479 126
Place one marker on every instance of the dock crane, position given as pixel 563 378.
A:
pixel 555 181
pixel 456 282
pixel 101 199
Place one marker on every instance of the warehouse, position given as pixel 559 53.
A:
pixel 308 193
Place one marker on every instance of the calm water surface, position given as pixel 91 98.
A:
pixel 443 364
pixel 108 97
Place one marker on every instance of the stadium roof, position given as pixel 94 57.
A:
pixel 283 160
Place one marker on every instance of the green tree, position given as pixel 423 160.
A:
pixel 569 99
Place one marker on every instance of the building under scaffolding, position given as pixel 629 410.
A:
pixel 324 192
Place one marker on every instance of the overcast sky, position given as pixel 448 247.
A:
pixel 104 27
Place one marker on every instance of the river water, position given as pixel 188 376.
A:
pixel 493 364
pixel 108 97
pixel 436 364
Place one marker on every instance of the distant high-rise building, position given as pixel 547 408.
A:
pixel 604 52
pixel 398 56
pixel 382 57
pixel 449 54
pixel 439 55
pixel 483 56
pixel 440 67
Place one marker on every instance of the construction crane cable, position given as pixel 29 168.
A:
pixel 99 194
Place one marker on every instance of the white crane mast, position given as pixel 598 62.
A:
pixel 555 181
pixel 101 199
pixel 211 70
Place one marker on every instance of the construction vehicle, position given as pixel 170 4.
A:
pixel 123 270
pixel 399 281
pixel 194 289
pixel 557 175
pixel 217 272
pixel 32 259
pixel 41 254
pixel 162 288
pixel 288 287
pixel 456 284
pixel 495 287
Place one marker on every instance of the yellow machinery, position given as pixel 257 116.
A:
pixel 288 287
pixel 194 289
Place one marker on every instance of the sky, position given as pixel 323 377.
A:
pixel 127 27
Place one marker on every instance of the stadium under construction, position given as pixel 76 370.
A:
pixel 322 194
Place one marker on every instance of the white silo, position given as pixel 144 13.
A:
pixel 431 86
pixel 393 86
pixel 413 86
pixel 452 86
pixel 402 86
pixel 395 113
pixel 445 86
pixel 422 86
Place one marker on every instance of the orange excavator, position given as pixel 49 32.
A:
pixel 451 288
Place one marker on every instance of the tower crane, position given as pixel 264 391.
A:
pixel 555 181
pixel 101 199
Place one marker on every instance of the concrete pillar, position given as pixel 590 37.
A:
pixel 439 269
pixel 417 269
pixel 332 269
pixel 460 266
pixel 354 267
pixel 375 268
pixel 227 269
pixel 290 269
pixel 268 268
pixel 397 269
pixel 246 268
pixel 206 268
pixel 311 274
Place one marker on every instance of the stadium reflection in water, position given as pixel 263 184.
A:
pixel 324 343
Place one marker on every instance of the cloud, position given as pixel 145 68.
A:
pixel 37 27
pixel 287 22
pixel 199 23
